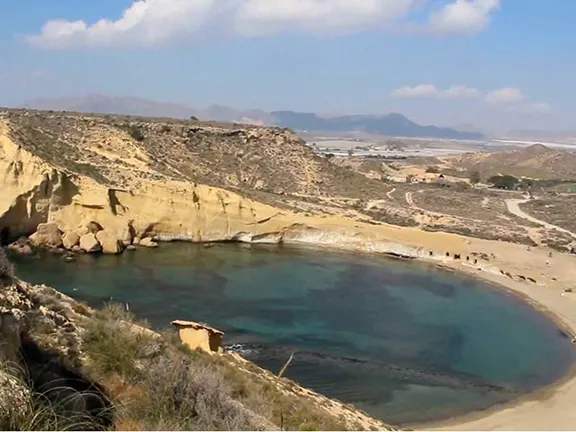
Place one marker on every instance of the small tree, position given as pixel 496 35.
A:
pixel 193 118
pixel 474 177
pixel 503 182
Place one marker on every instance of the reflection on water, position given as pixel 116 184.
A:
pixel 401 340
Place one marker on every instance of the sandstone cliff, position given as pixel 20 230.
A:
pixel 146 180
pixel 73 170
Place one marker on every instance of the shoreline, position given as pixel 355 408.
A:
pixel 549 406
pixel 517 412
pixel 512 414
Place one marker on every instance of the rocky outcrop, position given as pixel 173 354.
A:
pixel 109 243
pixel 199 336
pixel 89 243
pixel 22 246
pixel 148 242
pixel 70 239
pixel 47 235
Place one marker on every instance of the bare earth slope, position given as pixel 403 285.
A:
pixel 216 154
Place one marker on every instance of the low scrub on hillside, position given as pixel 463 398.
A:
pixel 154 382
pixel 159 384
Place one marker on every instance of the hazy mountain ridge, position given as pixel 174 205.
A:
pixel 393 124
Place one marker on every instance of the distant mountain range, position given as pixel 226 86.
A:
pixel 391 124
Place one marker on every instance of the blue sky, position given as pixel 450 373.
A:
pixel 496 64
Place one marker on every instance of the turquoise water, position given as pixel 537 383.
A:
pixel 404 341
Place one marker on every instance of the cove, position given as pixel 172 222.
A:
pixel 404 341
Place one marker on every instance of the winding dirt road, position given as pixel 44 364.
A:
pixel 513 206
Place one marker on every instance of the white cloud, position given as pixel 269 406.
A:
pixel 512 98
pixel 153 22
pixel 431 91
pixel 459 91
pixel 505 96
pixel 463 16
pixel 532 108
pixel 418 91
pixel 273 16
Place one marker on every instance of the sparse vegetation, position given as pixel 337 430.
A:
pixel 136 133
pixel 556 210
pixel 475 177
pixel 433 170
pixel 23 409
pixel 159 384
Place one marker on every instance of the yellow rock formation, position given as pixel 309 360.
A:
pixel 199 336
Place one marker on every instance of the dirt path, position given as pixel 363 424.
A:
pixel 513 206
pixel 409 199
pixel 389 194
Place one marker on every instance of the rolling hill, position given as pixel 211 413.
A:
pixel 536 161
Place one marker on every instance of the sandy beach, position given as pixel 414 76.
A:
pixel 550 408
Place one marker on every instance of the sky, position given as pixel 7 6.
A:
pixel 492 64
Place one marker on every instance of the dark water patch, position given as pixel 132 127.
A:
pixel 402 340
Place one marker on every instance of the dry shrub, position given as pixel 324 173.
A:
pixel 187 396
pixel 110 344
pixel 23 409
pixel 174 388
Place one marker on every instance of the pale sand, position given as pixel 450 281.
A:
pixel 551 408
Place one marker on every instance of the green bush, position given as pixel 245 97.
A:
pixel 110 344
pixel 503 182
pixel 136 133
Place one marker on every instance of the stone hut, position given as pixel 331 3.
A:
pixel 199 336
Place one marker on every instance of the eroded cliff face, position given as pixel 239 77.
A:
pixel 31 190
pixel 77 171
pixel 35 191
